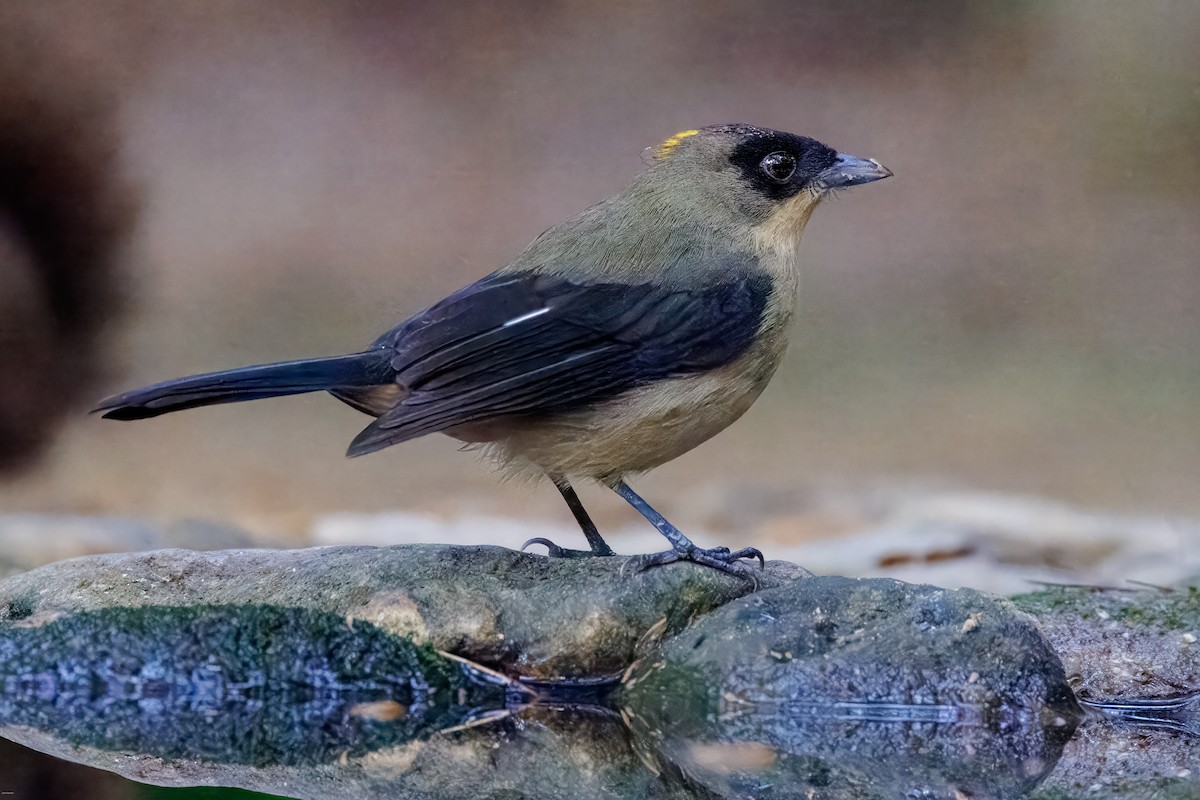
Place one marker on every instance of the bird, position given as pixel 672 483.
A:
pixel 618 340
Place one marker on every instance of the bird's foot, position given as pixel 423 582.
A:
pixel 554 551
pixel 719 558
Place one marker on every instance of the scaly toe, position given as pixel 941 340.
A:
pixel 554 551
pixel 718 558
pixel 643 562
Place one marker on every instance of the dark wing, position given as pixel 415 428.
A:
pixel 523 343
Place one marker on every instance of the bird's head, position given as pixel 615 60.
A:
pixel 769 179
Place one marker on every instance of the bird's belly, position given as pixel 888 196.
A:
pixel 634 431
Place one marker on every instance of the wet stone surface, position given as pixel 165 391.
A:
pixel 940 691
pixel 1130 655
pixel 441 672
pixel 533 616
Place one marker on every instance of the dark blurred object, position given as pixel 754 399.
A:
pixel 64 214
pixel 29 774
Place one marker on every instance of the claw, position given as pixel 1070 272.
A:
pixel 750 552
pixel 554 551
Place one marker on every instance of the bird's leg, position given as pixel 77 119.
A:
pixel 683 548
pixel 598 545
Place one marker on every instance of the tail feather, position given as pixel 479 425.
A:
pixel 368 368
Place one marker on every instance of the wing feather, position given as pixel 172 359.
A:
pixel 529 344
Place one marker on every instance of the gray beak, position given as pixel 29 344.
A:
pixel 851 171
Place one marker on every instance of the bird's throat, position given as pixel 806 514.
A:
pixel 780 232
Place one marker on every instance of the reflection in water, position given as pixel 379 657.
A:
pixel 835 752
pixel 292 702
pixel 227 685
pixel 807 748
pixel 856 689
pixel 1180 713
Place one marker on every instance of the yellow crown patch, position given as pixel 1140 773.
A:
pixel 666 147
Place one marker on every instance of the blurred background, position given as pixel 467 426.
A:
pixel 190 186
pixel 1018 309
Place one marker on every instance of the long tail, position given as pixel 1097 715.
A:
pixel 368 368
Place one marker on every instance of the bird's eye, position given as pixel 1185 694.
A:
pixel 779 166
